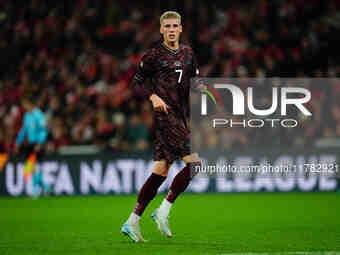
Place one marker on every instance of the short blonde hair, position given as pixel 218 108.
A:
pixel 170 15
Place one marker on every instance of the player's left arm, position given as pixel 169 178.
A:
pixel 42 127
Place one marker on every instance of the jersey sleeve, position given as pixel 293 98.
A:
pixel 144 71
pixel 41 121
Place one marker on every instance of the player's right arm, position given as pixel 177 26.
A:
pixel 145 71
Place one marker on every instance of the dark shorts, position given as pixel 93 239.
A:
pixel 172 140
pixel 27 149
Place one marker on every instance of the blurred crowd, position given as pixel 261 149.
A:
pixel 77 58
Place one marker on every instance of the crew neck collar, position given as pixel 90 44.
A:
pixel 171 50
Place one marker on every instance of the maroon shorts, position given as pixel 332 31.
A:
pixel 172 139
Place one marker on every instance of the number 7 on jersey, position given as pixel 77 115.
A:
pixel 180 71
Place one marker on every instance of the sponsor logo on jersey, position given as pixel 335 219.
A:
pixel 177 63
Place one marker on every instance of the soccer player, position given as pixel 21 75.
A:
pixel 35 130
pixel 169 65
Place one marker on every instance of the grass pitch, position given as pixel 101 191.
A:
pixel 262 223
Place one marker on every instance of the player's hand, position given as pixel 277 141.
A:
pixel 158 104
pixel 37 148
pixel 15 149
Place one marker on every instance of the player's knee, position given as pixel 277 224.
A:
pixel 192 158
pixel 161 169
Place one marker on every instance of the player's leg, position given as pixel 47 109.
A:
pixel 36 184
pixel 183 178
pixel 146 194
pixel 40 157
pixel 39 182
pixel 178 185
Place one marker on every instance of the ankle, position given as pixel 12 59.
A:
pixel 165 207
pixel 133 219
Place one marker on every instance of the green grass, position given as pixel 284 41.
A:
pixel 201 224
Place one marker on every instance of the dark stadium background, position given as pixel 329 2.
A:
pixel 76 59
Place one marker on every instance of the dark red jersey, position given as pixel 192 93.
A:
pixel 169 72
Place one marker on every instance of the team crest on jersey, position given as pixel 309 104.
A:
pixel 177 63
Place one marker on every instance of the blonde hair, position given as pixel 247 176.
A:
pixel 170 15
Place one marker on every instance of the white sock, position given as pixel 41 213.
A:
pixel 165 207
pixel 133 219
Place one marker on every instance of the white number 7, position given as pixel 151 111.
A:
pixel 180 71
